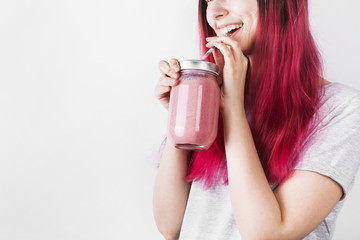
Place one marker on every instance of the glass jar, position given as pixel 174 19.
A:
pixel 194 106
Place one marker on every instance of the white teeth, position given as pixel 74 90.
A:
pixel 227 29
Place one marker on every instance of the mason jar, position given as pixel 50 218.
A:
pixel 194 106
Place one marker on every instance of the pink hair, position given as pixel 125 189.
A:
pixel 281 94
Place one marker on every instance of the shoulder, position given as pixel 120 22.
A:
pixel 339 102
pixel 337 118
pixel 340 95
pixel 331 149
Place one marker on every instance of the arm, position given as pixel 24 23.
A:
pixel 171 191
pixel 292 211
pixel 299 204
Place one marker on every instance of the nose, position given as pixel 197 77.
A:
pixel 217 10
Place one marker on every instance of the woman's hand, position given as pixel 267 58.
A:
pixel 233 67
pixel 170 78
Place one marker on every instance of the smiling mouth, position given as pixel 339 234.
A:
pixel 230 29
pixel 233 32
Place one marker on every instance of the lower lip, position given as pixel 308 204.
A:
pixel 233 34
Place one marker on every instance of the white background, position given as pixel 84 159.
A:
pixel 79 124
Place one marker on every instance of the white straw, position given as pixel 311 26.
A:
pixel 208 53
pixel 211 49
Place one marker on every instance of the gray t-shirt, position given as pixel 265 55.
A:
pixel 333 150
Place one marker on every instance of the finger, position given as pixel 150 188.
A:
pixel 165 69
pixel 213 44
pixel 226 51
pixel 235 45
pixel 167 81
pixel 225 39
pixel 174 63
pixel 162 91
pixel 219 60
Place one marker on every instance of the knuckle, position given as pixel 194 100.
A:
pixel 163 65
pixel 173 61
pixel 227 53
pixel 163 80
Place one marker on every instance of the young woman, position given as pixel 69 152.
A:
pixel 286 154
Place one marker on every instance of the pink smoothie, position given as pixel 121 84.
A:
pixel 194 110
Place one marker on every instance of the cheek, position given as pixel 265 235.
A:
pixel 248 39
pixel 208 20
pixel 253 29
pixel 248 5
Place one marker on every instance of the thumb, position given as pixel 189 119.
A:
pixel 219 60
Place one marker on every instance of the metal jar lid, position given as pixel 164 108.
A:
pixel 200 65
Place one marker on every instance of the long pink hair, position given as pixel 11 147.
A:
pixel 282 92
